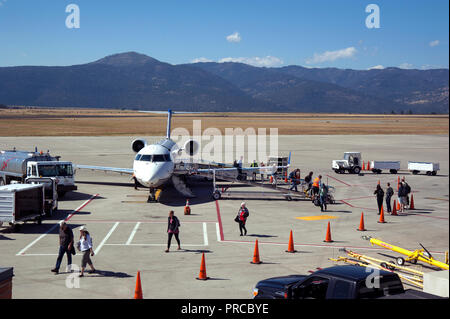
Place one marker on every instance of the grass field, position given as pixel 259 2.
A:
pixel 95 122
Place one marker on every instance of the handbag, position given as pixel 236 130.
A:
pixel 79 246
pixel 72 251
pixel 237 219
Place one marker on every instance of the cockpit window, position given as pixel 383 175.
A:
pixel 138 157
pixel 146 158
pixel 155 158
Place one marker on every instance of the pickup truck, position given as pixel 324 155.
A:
pixel 338 282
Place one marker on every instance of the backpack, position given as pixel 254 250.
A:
pixel 408 189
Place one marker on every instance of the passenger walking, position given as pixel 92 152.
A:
pixel 294 177
pixel 65 247
pixel 402 193
pixel 323 195
pixel 407 191
pixel 389 193
pixel 173 229
pixel 380 196
pixel 243 215
pixel 86 249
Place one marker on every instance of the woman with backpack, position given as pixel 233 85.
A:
pixel 380 196
pixel 241 218
pixel 173 229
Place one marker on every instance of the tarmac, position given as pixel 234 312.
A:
pixel 130 235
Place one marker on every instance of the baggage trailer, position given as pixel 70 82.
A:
pixel 428 167
pixel 50 193
pixel 21 203
pixel 378 166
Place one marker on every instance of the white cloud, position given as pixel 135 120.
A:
pixel 377 67
pixel 406 66
pixel 267 61
pixel 202 59
pixel 434 43
pixel 330 56
pixel 235 37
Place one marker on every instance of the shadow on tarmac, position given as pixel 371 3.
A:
pixel 107 273
pixel 73 196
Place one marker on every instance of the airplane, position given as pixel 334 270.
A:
pixel 158 164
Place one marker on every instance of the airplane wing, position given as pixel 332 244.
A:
pixel 128 171
pixel 257 170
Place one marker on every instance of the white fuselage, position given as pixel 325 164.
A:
pixel 153 165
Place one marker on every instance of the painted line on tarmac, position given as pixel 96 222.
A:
pixel 96 251
pixel 22 252
pixel 219 220
pixel 205 234
pixel 352 206
pixel 142 221
pixel 130 239
pixel 218 232
pixel 156 245
pixel 338 180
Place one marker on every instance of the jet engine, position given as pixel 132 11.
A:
pixel 191 147
pixel 138 144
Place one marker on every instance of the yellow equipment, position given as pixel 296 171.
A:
pixel 412 256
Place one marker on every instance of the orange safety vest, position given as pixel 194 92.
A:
pixel 316 182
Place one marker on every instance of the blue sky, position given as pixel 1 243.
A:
pixel 412 34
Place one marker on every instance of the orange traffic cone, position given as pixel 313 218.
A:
pixel 411 202
pixel 202 274
pixel 138 289
pixel 394 209
pixel 382 221
pixel 256 259
pixel 398 183
pixel 379 182
pixel 364 166
pixel 328 235
pixel 368 165
pixel 398 205
pixel 271 179
pixel 361 223
pixel 291 244
pixel 187 209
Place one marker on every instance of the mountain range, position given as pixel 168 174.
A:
pixel 135 81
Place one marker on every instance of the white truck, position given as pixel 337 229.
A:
pixel 21 203
pixel 350 163
pixel 378 166
pixel 19 165
pixel 428 167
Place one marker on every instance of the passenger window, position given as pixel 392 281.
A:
pixel 33 171
pixel 313 288
pixel 341 290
